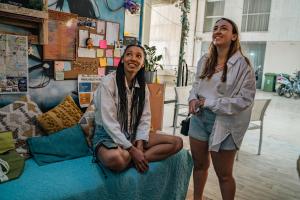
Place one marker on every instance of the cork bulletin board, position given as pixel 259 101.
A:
pixel 92 59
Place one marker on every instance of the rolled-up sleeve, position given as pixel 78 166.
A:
pixel 143 128
pixel 241 98
pixel 108 113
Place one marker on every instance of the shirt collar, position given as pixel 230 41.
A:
pixel 233 59
pixel 136 84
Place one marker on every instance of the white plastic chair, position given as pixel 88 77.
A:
pixel 181 105
pixel 257 118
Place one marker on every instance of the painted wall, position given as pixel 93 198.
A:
pixel 282 57
pixel 49 96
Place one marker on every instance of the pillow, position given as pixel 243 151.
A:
pixel 87 123
pixel 64 145
pixel 6 142
pixel 65 115
pixel 20 118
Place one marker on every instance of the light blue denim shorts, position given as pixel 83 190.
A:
pixel 101 137
pixel 201 126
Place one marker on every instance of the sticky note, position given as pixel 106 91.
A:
pixel 117 53
pixel 59 76
pixel 116 61
pixel 100 53
pixel 110 62
pixel 109 53
pixel 59 66
pixel 102 62
pixel 103 44
pixel 67 66
pixel 101 71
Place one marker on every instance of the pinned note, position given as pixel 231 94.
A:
pixel 102 62
pixel 67 66
pixel 116 61
pixel 117 53
pixel 100 53
pixel 109 53
pixel 110 62
pixel 59 66
pixel 103 44
pixel 101 71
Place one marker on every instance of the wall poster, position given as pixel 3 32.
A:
pixel 13 64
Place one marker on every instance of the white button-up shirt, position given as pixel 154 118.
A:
pixel 232 102
pixel 106 100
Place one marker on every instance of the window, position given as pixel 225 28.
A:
pixel 256 14
pixel 214 10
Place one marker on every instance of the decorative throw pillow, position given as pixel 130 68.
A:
pixel 20 118
pixel 87 123
pixel 65 115
pixel 66 144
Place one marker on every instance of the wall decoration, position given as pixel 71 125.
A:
pixel 61 36
pixel 13 64
pixel 87 85
pixel 112 30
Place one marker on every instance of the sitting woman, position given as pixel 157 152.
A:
pixel 123 118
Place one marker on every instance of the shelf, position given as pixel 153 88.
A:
pixel 20 16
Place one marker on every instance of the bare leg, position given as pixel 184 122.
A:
pixel 201 160
pixel 162 146
pixel 115 159
pixel 223 164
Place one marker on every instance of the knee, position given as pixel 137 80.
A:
pixel 178 144
pixel 225 177
pixel 200 165
pixel 116 162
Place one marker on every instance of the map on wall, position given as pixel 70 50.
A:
pixel 13 64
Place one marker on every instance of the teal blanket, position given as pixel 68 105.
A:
pixel 81 179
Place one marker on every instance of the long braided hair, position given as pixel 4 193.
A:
pixel 138 99
pixel 212 61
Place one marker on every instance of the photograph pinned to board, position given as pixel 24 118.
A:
pixel 13 64
pixel 112 32
pixel 87 85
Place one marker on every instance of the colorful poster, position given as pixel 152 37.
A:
pixel 87 85
pixel 13 64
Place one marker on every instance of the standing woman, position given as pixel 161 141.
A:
pixel 221 100
pixel 123 118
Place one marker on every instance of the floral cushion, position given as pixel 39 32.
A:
pixel 64 115
pixel 87 123
pixel 20 118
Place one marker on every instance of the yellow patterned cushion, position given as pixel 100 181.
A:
pixel 65 115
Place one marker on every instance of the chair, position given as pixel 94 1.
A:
pixel 258 112
pixel 181 97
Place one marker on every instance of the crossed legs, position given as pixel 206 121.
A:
pixel 158 148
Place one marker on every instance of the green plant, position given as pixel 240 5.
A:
pixel 152 61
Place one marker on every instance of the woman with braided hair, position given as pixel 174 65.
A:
pixel 123 118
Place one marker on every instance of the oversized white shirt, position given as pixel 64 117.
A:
pixel 232 100
pixel 106 100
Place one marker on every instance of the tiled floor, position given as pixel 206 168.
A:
pixel 272 175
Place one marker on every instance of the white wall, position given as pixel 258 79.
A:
pixel 282 57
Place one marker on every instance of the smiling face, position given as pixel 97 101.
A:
pixel 133 60
pixel 223 34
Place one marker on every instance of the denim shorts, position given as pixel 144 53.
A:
pixel 101 137
pixel 201 126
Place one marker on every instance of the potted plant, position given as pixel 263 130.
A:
pixel 152 63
